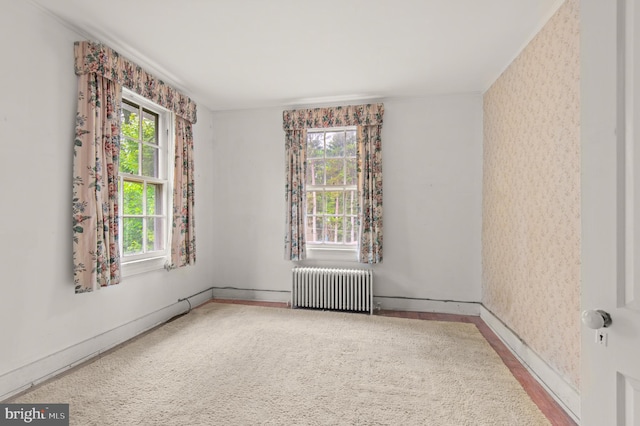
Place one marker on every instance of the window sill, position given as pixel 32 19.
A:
pixel 343 255
pixel 141 266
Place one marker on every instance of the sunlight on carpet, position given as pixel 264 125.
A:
pixel 243 365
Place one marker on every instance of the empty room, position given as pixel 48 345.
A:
pixel 412 212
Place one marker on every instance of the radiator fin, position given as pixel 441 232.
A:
pixel 332 289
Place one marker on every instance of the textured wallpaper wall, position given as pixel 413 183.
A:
pixel 531 194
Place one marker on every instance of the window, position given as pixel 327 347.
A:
pixel 143 182
pixel 331 189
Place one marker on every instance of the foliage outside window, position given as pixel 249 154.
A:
pixel 331 188
pixel 143 182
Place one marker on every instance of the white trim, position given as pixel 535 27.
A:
pixel 165 143
pixel 411 305
pixel 555 385
pixel 424 305
pixel 324 188
pixel 628 298
pixel 22 378
pixel 143 265
pixel 331 129
pixel 252 294
pixel 333 254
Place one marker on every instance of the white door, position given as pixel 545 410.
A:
pixel 610 127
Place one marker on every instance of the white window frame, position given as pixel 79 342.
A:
pixel 155 260
pixel 328 251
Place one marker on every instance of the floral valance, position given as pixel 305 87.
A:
pixel 351 115
pixel 94 57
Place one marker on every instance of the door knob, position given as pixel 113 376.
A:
pixel 596 318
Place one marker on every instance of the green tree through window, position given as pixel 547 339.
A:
pixel 331 187
pixel 141 181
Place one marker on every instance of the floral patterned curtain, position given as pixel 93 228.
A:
pixel 370 192
pixel 368 119
pixel 295 157
pixel 102 73
pixel 351 115
pixel 183 237
pixel 99 59
pixel 96 256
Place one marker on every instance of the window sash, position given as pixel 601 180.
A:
pixel 146 217
pixel 161 143
pixel 328 188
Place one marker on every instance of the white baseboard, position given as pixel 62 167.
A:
pixel 400 304
pixel 422 305
pixel 22 378
pixel 555 385
pixel 260 295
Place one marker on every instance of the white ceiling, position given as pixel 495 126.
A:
pixel 234 54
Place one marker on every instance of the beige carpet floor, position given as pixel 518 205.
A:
pixel 226 364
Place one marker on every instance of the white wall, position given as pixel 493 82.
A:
pixel 432 162
pixel 43 324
